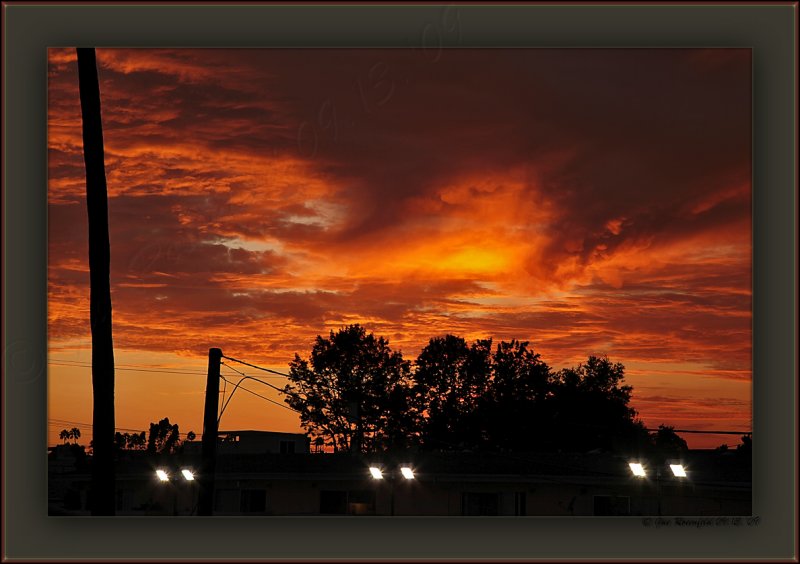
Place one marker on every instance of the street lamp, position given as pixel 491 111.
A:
pixel 637 469
pixel 678 470
pixel 163 476
pixel 377 474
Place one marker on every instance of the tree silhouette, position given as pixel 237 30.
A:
pixel 103 489
pixel 590 409
pixel 130 441
pixel 667 441
pixel 449 383
pixel 353 391
pixel 67 434
pixel 163 437
pixel 746 447
pixel 515 409
pixel 355 394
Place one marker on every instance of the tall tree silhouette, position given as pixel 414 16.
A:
pixel 358 395
pixel 353 391
pixel 163 437
pixel 591 408
pixel 65 435
pixel 103 480
pixel 515 407
pixel 449 384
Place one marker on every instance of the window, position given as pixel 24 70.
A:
pixel 612 505
pixel 353 502
pixel 253 501
pixel 361 502
pixel 479 503
pixel 287 447
pixel 332 503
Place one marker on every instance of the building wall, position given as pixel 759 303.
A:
pixel 251 494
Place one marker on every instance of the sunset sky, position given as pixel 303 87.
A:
pixel 590 201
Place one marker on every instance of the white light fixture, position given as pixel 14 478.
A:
pixel 162 475
pixel 187 474
pixel 637 469
pixel 407 473
pixel 376 472
pixel 678 470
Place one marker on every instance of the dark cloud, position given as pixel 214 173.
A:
pixel 591 201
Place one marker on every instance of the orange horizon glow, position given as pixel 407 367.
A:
pixel 586 201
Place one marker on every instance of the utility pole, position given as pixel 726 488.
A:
pixel 103 479
pixel 205 505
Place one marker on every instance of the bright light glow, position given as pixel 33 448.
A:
pixel 187 474
pixel 637 469
pixel 376 472
pixel 162 475
pixel 678 470
pixel 407 473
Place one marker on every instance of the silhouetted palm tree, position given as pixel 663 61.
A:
pixel 103 495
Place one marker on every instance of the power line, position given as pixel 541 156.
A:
pixel 60 422
pixel 155 370
pixel 256 367
pixel 222 407
pixel 238 386
pixel 145 368
pixel 287 376
pixel 281 390
pixel 705 432
pixel 88 363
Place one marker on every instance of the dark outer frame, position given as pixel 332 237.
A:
pixel 29 28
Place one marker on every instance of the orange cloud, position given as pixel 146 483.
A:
pixel 596 203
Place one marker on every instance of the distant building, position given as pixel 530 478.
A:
pixel 447 484
pixel 256 442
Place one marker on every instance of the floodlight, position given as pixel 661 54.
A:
pixel 407 473
pixel 162 475
pixel 678 470
pixel 187 474
pixel 376 472
pixel 637 469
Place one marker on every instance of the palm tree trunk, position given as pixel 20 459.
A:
pixel 103 494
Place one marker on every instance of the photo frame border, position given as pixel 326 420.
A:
pixel 770 30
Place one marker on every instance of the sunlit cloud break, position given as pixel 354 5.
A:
pixel 588 201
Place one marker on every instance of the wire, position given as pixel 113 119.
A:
pixel 246 377
pixel 274 387
pixel 706 432
pixel 239 386
pixel 256 367
pixel 64 362
pixel 59 422
pixel 233 391
pixel 224 388
pixel 155 370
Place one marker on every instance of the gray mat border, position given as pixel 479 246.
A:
pixel 28 29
